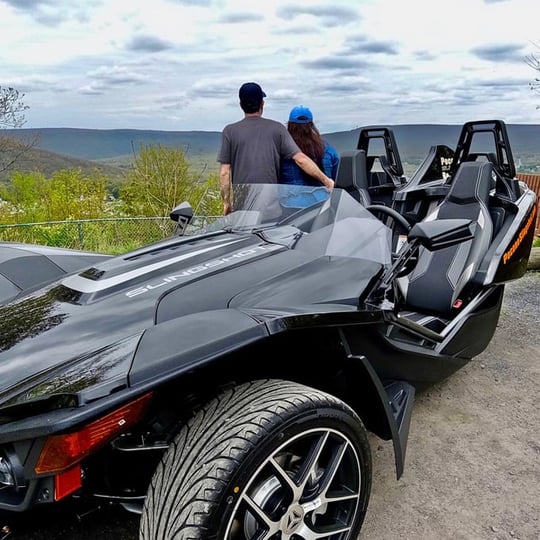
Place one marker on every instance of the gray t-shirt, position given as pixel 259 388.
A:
pixel 254 148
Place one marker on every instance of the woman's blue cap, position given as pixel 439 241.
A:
pixel 300 115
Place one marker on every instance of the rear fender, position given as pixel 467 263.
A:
pixel 508 256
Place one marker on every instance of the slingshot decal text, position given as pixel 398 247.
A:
pixel 189 272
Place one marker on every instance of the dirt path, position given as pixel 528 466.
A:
pixel 473 459
pixel 472 470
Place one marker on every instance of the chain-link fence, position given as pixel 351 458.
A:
pixel 107 235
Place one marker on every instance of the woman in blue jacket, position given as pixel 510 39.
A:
pixel 308 138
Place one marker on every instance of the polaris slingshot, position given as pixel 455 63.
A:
pixel 222 382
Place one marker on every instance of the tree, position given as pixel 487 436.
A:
pixel 12 109
pixel 73 195
pixel 67 194
pixel 159 181
pixel 533 60
pixel 23 198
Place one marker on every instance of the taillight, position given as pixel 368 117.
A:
pixel 61 452
pixel 67 482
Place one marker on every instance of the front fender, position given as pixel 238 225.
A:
pixel 386 408
pixel 180 344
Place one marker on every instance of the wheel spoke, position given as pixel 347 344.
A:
pixel 309 467
pixel 259 512
pixel 266 526
pixel 327 532
pixel 284 476
pixel 330 473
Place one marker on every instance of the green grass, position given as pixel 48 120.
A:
pixel 112 236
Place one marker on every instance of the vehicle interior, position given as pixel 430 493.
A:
pixel 475 182
pixel 373 171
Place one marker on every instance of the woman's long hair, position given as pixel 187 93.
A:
pixel 308 139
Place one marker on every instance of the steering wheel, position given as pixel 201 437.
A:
pixel 396 216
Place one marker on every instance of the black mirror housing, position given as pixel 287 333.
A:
pixel 441 233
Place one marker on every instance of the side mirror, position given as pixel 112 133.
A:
pixel 441 233
pixel 182 214
pixel 433 235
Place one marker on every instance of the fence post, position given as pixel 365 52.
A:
pixel 81 235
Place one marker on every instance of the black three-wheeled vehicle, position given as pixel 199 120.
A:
pixel 222 382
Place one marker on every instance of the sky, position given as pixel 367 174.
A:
pixel 177 65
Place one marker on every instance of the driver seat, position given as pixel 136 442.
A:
pixel 352 175
pixel 439 280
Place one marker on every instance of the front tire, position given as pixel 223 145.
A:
pixel 266 459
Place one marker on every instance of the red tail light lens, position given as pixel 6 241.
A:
pixel 67 483
pixel 61 452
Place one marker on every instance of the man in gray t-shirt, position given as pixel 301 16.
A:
pixel 252 149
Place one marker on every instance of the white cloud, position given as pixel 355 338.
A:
pixel 177 64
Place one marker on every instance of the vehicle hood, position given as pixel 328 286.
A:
pixel 82 331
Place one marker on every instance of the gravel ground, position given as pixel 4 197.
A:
pixel 473 458
pixel 472 469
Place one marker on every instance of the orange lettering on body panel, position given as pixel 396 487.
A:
pixel 521 236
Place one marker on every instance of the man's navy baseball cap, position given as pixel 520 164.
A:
pixel 300 115
pixel 251 91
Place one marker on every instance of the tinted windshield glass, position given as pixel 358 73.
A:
pixel 327 223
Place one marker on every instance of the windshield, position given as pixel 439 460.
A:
pixel 307 218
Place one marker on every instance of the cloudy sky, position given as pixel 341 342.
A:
pixel 177 64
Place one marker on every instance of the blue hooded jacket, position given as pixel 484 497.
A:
pixel 291 173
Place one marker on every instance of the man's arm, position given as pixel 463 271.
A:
pixel 310 167
pixel 225 187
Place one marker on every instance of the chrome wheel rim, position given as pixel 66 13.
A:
pixel 308 488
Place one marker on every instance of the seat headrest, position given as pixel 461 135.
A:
pixel 472 182
pixel 352 175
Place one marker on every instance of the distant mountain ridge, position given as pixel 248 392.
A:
pixel 414 140
pixel 96 144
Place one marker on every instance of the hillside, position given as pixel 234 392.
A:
pixel 47 162
pixel 100 144
pixel 113 150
